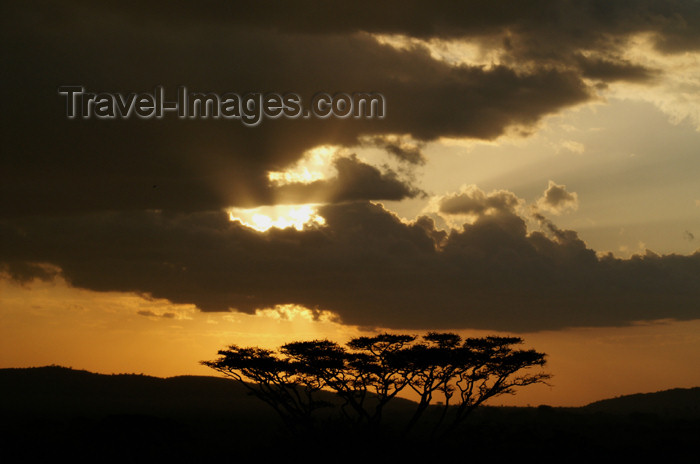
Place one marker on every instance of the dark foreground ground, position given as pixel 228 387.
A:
pixel 52 412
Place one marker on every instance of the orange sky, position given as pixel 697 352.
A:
pixel 50 323
pixel 532 174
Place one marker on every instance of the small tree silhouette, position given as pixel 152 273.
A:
pixel 371 371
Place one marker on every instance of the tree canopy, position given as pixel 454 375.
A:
pixel 368 372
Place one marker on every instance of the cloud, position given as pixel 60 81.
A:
pixel 471 200
pixel 151 314
pixel 366 266
pixel 147 313
pixel 557 199
pixel 60 166
pixel 355 180
pixel 613 70
pixel 137 205
pixel 402 148
pixel 24 272
pixel 540 25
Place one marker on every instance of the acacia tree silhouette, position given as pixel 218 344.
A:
pixel 369 372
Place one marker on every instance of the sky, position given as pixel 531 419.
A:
pixel 535 173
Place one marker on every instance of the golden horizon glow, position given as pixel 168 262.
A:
pixel 314 165
pixel 46 323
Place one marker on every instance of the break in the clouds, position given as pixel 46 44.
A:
pixel 354 180
pixel 556 199
pixel 366 266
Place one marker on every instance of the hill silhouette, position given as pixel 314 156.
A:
pixel 677 402
pixel 58 390
pixel 50 410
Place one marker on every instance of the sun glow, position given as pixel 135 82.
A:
pixel 291 312
pixel 316 164
pixel 279 216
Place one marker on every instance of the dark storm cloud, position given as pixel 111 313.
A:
pixel 25 272
pixel 54 165
pixel 564 24
pixel 609 70
pixel 135 205
pixel 544 31
pixel 367 266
